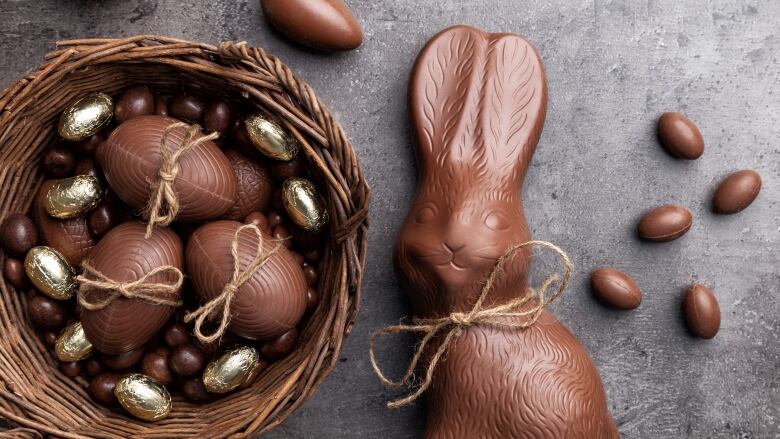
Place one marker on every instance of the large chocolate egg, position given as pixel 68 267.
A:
pixel 270 303
pixel 205 185
pixel 254 186
pixel 70 237
pixel 123 255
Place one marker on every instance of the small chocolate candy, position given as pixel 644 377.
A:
pixel 230 370
pixel 615 288
pixel 312 299
pixel 304 204
pixel 187 107
pixel 72 344
pixel 259 220
pixel 13 270
pixel 70 368
pixel 187 361
pixel 87 147
pixel 19 234
pixel 665 223
pixel 155 365
pixel 312 275
pixel 319 24
pixel 195 391
pixel 123 361
pixel 102 219
pixel 268 136
pixel 219 116
pixel 135 101
pixel 176 335
pixel 92 367
pixel 284 170
pixel 142 397
pixel 161 106
pixel 101 388
pixel 680 136
pixel 702 312
pixel 50 338
pixel 50 272
pixel 86 116
pixel 281 346
pixel 73 197
pixel 46 313
pixel 58 162
pixel 87 166
pixel 736 192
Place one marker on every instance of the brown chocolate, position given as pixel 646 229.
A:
pixel 123 361
pixel 14 272
pixel 254 187
pixel 161 106
pixel 136 101
pixel 737 191
pixel 87 147
pixel 702 312
pixel 680 136
pixel 124 255
pixel 289 169
pixel 176 335
pixel 219 116
pixel 615 288
pixel 270 303
pixel 46 313
pixel 258 219
pixel 319 24
pixel 87 166
pixel 70 237
pixel 205 185
pixel 18 234
pixel 155 366
pixel 102 219
pixel 187 361
pixel 92 366
pixel 195 391
pixel 70 368
pixel 478 103
pixel 187 107
pixel 101 388
pixel 665 223
pixel 281 346
pixel 58 162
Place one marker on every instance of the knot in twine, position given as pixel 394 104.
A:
pixel 138 289
pixel 163 206
pixel 221 304
pixel 453 325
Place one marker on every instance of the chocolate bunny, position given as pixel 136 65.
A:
pixel 478 103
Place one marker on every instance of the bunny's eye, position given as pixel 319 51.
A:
pixel 496 221
pixel 425 214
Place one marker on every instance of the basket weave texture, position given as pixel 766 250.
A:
pixel 36 399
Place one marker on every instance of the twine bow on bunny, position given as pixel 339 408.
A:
pixel 453 325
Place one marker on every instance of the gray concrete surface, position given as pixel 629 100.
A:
pixel 613 67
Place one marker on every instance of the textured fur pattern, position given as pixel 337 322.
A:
pixel 478 103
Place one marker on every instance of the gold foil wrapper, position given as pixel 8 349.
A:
pixel 73 197
pixel 270 138
pixel 230 370
pixel 304 204
pixel 72 344
pixel 50 272
pixel 86 116
pixel 143 397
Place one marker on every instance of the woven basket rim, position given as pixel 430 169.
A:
pixel 53 404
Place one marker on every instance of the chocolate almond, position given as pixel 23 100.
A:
pixel 70 237
pixel 665 223
pixel 702 312
pixel 680 136
pixel 737 191
pixel 319 24
pixel 615 288
pixel 254 186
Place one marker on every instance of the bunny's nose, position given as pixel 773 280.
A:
pixel 453 248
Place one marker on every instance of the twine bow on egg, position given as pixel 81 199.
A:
pixel 454 324
pixel 163 206
pixel 220 305
pixel 142 288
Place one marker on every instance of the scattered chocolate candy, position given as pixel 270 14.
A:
pixel 319 24
pixel 142 397
pixel 102 219
pixel 680 136
pixel 87 166
pixel 161 106
pixel 665 223
pixel 195 391
pixel 702 312
pixel 312 275
pixel 123 361
pixel 155 365
pixel 312 298
pixel 219 116
pixel 13 270
pixel 615 288
pixel 86 116
pixel 134 101
pixel 230 370
pixel 50 272
pixel 87 147
pixel 73 197
pixel 304 204
pixel 736 192
pixel 284 170
pixel 187 361
pixel 259 220
pixel 253 186
pixel 176 335
pixel 188 108
pixel 58 162
pixel 101 388
pixel 92 367
pixel 72 344
pixel 50 338
pixel 270 138
pixel 70 368
pixel 46 313
pixel 19 234
pixel 281 346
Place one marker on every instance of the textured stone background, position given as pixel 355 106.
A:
pixel 613 67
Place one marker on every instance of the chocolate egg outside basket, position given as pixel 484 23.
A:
pixel 124 255
pixel 270 303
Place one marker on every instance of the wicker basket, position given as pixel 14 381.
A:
pixel 36 399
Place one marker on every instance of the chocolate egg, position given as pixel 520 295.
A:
pixel 319 24
pixel 230 370
pixel 615 288
pixel 737 191
pixel 122 361
pixel 665 223
pixel 142 397
pixel 270 138
pixel 73 197
pixel 86 116
pixel 218 116
pixel 123 255
pixel 13 270
pixel 205 185
pixel 304 204
pixel 70 237
pixel 253 186
pixel 46 313
pixel 72 344
pixel 270 303
pixel 702 312
pixel 58 162
pixel 101 388
pixel 18 234
pixel 136 101
pixel 50 272
pixel 680 136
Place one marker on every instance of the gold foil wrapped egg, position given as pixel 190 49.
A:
pixel 72 344
pixel 50 272
pixel 86 116
pixel 270 138
pixel 230 370
pixel 304 204
pixel 143 397
pixel 73 197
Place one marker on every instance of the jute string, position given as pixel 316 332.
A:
pixel 142 288
pixel 453 325
pixel 220 305
pixel 163 206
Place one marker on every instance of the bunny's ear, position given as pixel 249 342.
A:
pixel 478 100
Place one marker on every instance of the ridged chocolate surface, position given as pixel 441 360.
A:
pixel 478 104
pixel 125 256
pixel 254 186
pixel 130 159
pixel 70 237
pixel 266 306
